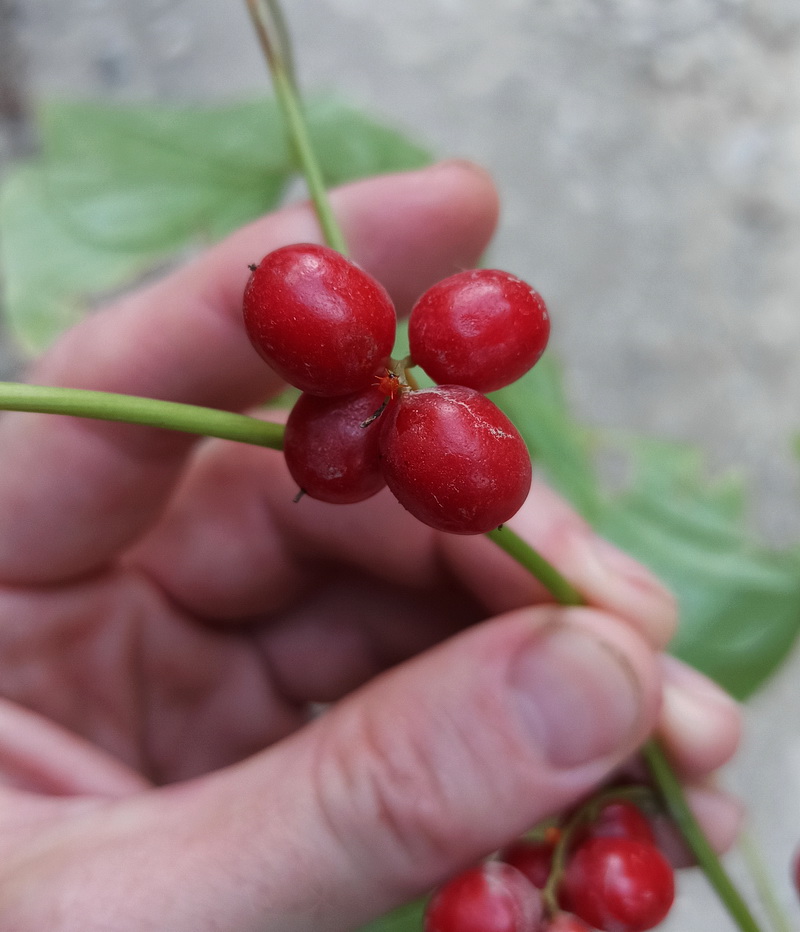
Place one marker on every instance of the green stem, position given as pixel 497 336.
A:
pixel 639 795
pixel 282 41
pixel 276 50
pixel 211 422
pixel 171 415
pixel 675 802
pixel 561 590
pixel 763 883
pixel 274 39
pixel 663 776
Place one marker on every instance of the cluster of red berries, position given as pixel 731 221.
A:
pixel 609 875
pixel 448 454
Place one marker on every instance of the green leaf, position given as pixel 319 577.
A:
pixel 739 601
pixel 350 145
pixel 538 407
pixel 405 919
pixel 48 276
pixel 118 190
pixel 146 177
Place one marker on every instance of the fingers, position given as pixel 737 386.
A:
pixel 700 725
pixel 73 492
pixel 427 768
pixel 234 544
pixel 699 728
pixel 603 575
pixel 38 756
pixel 720 814
pixel 423 771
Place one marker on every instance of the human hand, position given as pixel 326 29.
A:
pixel 170 619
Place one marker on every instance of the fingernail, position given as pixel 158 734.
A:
pixel 633 586
pixel 578 697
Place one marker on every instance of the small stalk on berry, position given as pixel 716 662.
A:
pixel 395 380
pixel 585 815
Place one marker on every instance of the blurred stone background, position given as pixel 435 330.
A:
pixel 648 155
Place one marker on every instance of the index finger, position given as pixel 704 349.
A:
pixel 73 492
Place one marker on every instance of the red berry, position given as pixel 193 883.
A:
pixel 329 454
pixel 620 819
pixel 534 859
pixel 482 328
pixel 321 322
pixel 494 897
pixel 454 460
pixel 618 884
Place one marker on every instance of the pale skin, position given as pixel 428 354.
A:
pixel 168 614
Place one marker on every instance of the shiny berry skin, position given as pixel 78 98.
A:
pixel 494 897
pixel 453 459
pixel 482 328
pixel 620 819
pixel 534 859
pixel 320 321
pixel 329 454
pixel 618 884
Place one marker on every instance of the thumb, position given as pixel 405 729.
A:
pixel 427 768
pixel 431 766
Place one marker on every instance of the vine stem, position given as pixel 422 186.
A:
pixel 665 781
pixel 171 415
pixel 211 422
pixel 275 41
pixel 675 802
pixel 130 409
pixel 766 892
pixel 561 590
pixel 586 813
pixel 268 24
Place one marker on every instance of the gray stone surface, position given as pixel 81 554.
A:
pixel 648 154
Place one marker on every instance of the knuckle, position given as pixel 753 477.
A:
pixel 383 793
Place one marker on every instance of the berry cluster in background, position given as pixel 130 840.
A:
pixel 448 454
pixel 601 870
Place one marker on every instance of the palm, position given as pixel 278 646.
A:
pixel 173 695
pixel 112 660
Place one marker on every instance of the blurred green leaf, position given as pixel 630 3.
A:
pixel 405 919
pixel 47 274
pixel 118 190
pixel 538 407
pixel 350 145
pixel 148 177
pixel 739 600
